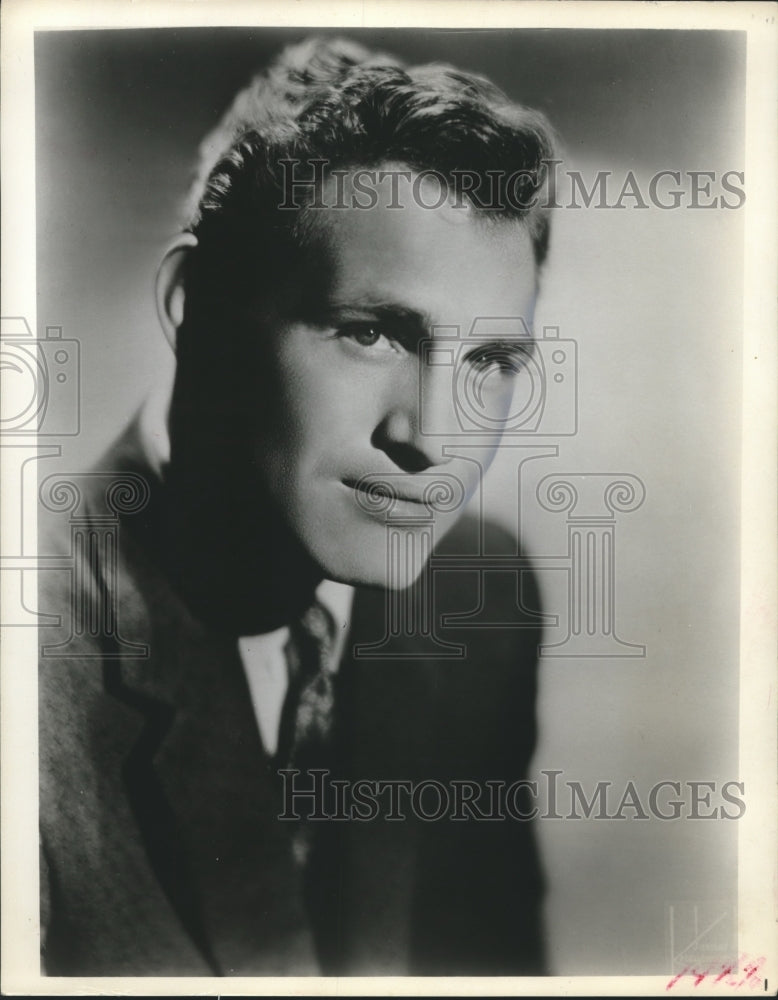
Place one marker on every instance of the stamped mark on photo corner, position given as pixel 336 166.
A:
pixel 702 947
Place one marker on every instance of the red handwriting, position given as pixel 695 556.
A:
pixel 745 973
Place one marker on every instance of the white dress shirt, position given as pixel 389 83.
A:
pixel 263 657
pixel 265 662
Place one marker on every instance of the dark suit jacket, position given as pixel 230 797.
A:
pixel 162 853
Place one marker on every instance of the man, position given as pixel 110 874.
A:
pixel 190 813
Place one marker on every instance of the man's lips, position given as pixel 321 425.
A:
pixel 376 488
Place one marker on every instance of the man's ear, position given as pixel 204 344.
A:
pixel 170 286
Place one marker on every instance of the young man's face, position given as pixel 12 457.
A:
pixel 353 390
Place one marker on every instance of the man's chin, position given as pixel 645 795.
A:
pixel 394 565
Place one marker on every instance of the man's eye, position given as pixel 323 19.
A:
pixel 364 334
pixel 506 359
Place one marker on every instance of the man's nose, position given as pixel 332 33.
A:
pixel 419 419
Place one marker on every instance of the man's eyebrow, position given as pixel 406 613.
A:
pixel 393 313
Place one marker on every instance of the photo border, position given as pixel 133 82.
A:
pixel 758 867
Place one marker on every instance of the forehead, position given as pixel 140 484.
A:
pixel 449 262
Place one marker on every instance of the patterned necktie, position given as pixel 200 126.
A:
pixel 305 736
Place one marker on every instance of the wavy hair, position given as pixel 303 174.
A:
pixel 334 100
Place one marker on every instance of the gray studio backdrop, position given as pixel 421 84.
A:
pixel 652 299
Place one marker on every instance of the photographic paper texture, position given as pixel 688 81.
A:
pixel 394 543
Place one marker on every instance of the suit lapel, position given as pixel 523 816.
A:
pixel 202 790
pixel 204 795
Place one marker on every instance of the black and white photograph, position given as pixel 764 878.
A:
pixel 388 447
